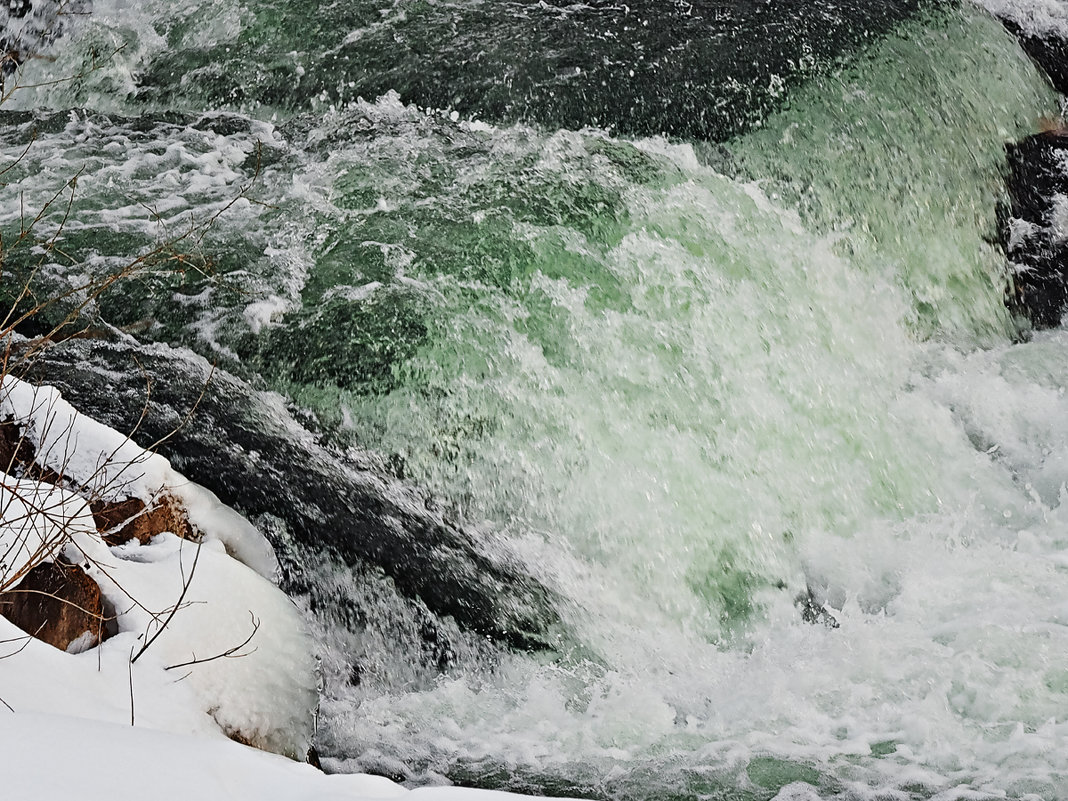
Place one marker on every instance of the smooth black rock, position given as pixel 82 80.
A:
pixel 246 447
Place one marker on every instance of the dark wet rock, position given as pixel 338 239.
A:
pixel 18 455
pixel 1049 50
pixel 813 611
pixel 58 604
pixel 16 451
pixel 1032 230
pixel 247 448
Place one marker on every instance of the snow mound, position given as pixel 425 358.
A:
pixel 259 681
pixel 111 466
pixel 197 629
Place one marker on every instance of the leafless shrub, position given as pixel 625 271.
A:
pixel 40 497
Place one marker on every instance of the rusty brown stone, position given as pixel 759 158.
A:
pixel 238 737
pixel 58 604
pixel 15 450
pixel 118 521
pixel 131 519
pixel 18 456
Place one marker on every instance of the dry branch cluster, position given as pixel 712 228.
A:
pixel 56 522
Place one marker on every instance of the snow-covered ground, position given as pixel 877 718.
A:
pixel 114 726
pixel 265 691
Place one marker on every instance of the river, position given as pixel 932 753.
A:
pixel 691 314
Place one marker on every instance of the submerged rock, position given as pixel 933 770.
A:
pixel 247 448
pixel 1034 227
pixel 697 69
pixel 813 611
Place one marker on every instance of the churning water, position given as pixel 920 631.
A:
pixel 690 309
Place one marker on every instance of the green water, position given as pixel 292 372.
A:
pixel 599 340
pixel 905 164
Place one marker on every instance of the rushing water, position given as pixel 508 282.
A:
pixel 693 307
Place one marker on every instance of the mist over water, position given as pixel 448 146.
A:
pixel 684 379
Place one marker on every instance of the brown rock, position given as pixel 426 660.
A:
pixel 58 604
pixel 238 737
pixel 117 521
pixel 15 450
pixel 18 455
pixel 122 521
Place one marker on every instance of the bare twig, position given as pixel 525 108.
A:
pixel 177 606
pixel 129 667
pixel 230 653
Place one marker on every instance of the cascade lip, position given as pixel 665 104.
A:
pixel 705 69
pixel 244 447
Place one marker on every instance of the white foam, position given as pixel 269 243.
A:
pixel 1035 17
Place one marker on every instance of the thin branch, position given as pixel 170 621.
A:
pixel 230 653
pixel 129 666
pixel 21 648
pixel 5 96
pixel 177 606
pixel 54 597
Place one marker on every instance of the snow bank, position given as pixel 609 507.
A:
pixel 112 466
pixel 264 692
pixel 122 719
pixel 48 757
pixel 235 649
